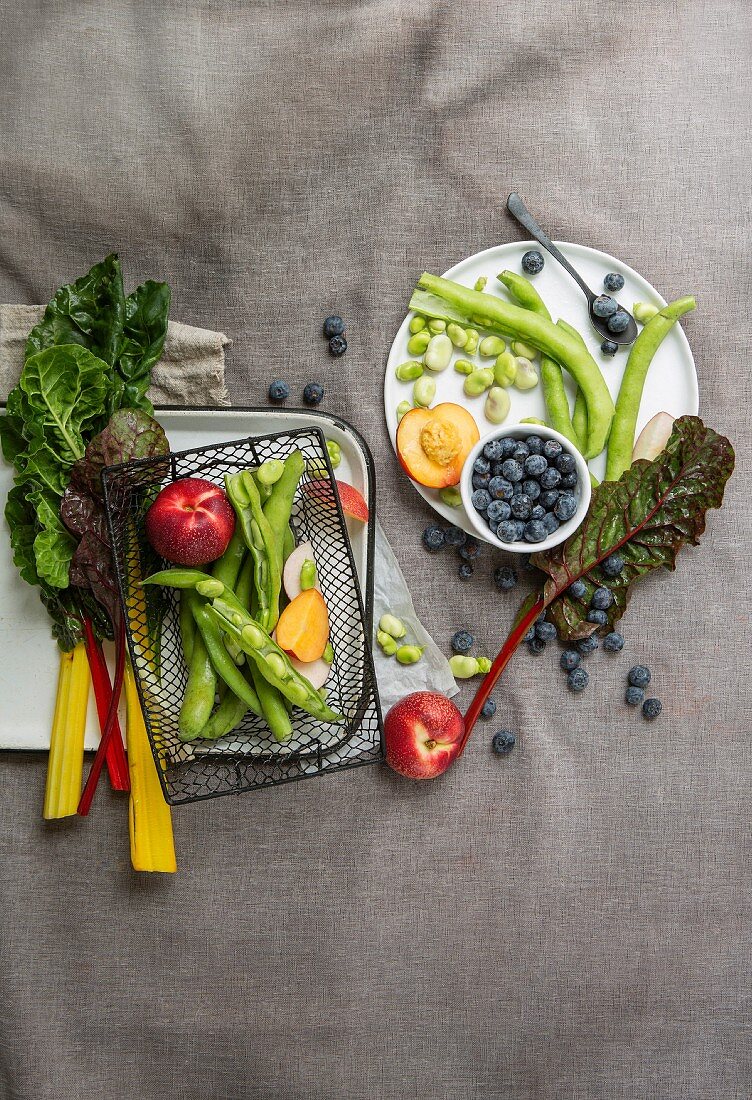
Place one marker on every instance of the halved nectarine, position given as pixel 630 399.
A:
pixel 432 444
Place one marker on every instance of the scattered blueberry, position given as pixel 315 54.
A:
pixel 333 326
pixel 481 481
pixel 587 645
pixel 530 635
pixel 605 306
pixel 545 630
pixel 614 642
pixel 609 347
pixel 512 470
pixel 503 742
pixel 619 322
pixel 465 571
pixel 550 523
pixel 613 281
pixel 279 391
pixel 596 616
pixel 469 549
pixel 548 498
pixel 569 659
pixel 639 676
pixel 481 499
pixel 522 506
pixel 481 465
pixel 493 450
pixel 433 539
pixel 535 530
pixel 462 641
pixel 313 394
pixel 577 589
pixel 488 709
pixel 651 708
pixel 538 512
pixel 532 262
pixel 552 449
pixel 536 646
pixel 500 488
pixel 550 478
pixel 454 536
pixel 505 578
pixel 565 463
pixel 534 444
pixel 613 565
pixel 337 346
pixel 565 507
pixel 634 696
pixel 602 599
pixel 577 680
pixel 498 511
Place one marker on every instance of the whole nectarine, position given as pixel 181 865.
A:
pixel 190 522
pixel 423 734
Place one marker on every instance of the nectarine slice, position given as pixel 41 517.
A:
pixel 303 627
pixel 432 444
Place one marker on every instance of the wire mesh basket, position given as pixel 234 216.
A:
pixel 249 757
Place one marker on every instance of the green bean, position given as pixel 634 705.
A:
pixel 497 405
pixel 505 369
pixel 187 628
pixel 519 347
pixel 463 667
pixel 643 312
pixel 227 568
pixel 451 496
pixel 457 335
pixel 402 409
pixel 641 356
pixel 455 302
pixel 417 324
pixel 478 382
pixel 273 707
pixel 288 542
pixel 491 346
pixel 277 511
pixel 462 366
pixel 387 643
pixel 473 338
pixel 334 451
pixel 554 393
pixel 270 472
pixel 328 654
pixel 418 343
pixel 307 575
pixel 438 353
pixel 409 654
pixel 424 391
pixel 408 371
pixel 198 698
pixel 526 377
pixel 435 325
pixel 393 626
pixel 579 417
pixel 480 283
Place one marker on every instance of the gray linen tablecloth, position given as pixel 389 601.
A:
pixel 572 921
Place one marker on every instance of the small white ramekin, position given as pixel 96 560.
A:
pixel 522 431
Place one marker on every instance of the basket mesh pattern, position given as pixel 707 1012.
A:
pixel 249 757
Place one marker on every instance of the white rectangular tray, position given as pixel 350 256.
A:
pixel 28 655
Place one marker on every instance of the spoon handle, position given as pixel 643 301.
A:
pixel 520 212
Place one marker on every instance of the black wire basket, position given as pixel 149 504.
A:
pixel 249 757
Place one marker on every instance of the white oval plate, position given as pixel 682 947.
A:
pixel 671 385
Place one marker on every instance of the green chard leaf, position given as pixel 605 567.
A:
pixel 144 332
pixel 53 544
pixel 21 519
pixel 64 391
pixel 646 516
pixel 89 312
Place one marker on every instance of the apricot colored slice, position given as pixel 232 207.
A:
pixel 303 627
pixel 432 444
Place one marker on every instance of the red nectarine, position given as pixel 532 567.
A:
pixel 423 734
pixel 191 522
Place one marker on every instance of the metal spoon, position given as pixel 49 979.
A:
pixel 520 212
